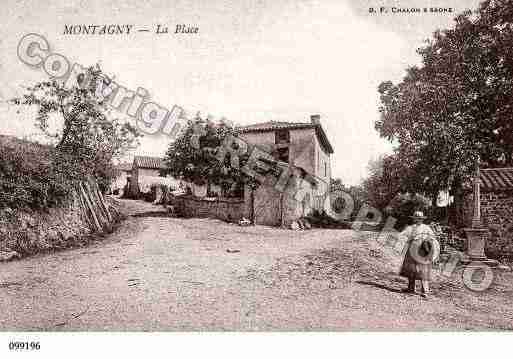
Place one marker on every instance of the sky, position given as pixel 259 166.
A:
pixel 251 61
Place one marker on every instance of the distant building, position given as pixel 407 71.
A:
pixel 122 172
pixel 303 145
pixel 143 167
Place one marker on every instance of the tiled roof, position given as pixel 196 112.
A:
pixel 496 179
pixel 149 162
pixel 277 125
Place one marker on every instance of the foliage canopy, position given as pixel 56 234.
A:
pixel 90 138
pixel 456 106
pixel 193 157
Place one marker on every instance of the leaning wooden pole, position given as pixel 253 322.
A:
pixel 103 202
pixel 91 208
pixel 83 207
pixel 95 201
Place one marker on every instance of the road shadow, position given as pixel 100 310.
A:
pixel 380 286
pixel 152 214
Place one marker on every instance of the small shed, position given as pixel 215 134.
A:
pixel 144 167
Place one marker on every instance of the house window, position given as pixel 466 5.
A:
pixel 282 136
pixel 283 154
pixel 325 169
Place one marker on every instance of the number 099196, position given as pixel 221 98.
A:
pixel 24 346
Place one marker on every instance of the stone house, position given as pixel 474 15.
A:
pixel 496 202
pixel 303 145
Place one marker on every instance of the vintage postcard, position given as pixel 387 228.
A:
pixel 255 166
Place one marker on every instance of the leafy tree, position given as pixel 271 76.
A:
pixel 402 206
pixel 456 106
pixel 383 183
pixel 193 157
pixel 90 135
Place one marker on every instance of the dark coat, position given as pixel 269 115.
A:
pixel 417 267
pixel 418 256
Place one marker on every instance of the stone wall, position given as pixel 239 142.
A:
pixel 267 206
pixel 264 205
pixel 229 210
pixel 497 216
pixel 275 208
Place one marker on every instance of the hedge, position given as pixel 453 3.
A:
pixel 35 176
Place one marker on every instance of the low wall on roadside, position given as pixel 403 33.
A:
pixel 226 209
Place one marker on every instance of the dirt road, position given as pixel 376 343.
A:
pixel 160 273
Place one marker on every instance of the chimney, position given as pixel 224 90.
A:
pixel 315 119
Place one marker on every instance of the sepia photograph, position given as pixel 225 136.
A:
pixel 299 168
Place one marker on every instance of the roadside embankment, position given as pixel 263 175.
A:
pixel 48 200
pixel 26 232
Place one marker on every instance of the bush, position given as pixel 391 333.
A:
pixel 27 178
pixel 37 176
